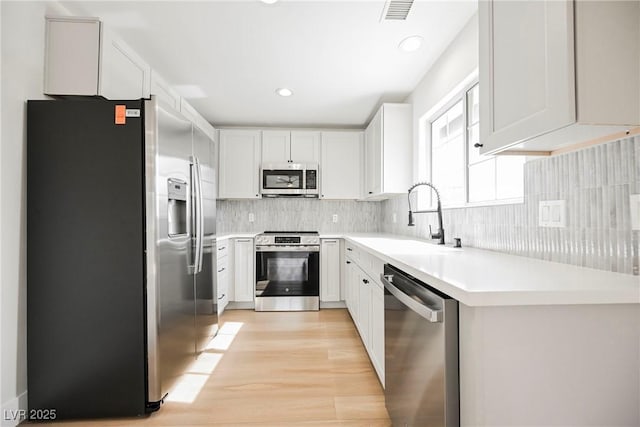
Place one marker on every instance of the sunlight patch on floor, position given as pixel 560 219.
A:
pixel 190 384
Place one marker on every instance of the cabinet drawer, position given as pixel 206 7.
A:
pixel 223 249
pixel 371 265
pixel 352 251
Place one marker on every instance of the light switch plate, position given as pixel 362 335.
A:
pixel 334 218
pixel 634 202
pixel 252 217
pixel 395 218
pixel 552 213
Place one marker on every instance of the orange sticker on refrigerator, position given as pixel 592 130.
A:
pixel 121 114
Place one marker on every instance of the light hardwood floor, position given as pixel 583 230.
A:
pixel 276 369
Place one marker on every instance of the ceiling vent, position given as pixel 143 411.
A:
pixel 396 10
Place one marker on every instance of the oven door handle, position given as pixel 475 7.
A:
pixel 287 248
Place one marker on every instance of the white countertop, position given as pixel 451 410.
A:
pixel 477 277
pixel 236 236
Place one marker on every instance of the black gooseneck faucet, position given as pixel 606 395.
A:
pixel 440 233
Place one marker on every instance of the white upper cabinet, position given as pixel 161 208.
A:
pixel 283 146
pixel 341 170
pixel 276 146
pixel 388 148
pixel 239 164
pixel 163 92
pixel 554 73
pixel 192 114
pixel 305 146
pixel 82 57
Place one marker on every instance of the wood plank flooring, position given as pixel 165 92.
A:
pixel 275 369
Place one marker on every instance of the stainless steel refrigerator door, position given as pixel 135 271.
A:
pixel 205 278
pixel 170 290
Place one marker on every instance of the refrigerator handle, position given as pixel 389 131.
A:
pixel 200 218
pixel 195 216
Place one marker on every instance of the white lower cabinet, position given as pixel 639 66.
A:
pixel 351 288
pixel 329 270
pixel 376 347
pixel 222 274
pixel 364 296
pixel 364 308
pixel 243 270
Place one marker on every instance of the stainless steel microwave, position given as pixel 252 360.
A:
pixel 289 179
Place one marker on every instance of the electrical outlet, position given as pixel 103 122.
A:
pixel 252 217
pixel 395 218
pixel 634 202
pixel 552 213
pixel 334 218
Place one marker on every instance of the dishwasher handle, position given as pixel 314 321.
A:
pixel 433 316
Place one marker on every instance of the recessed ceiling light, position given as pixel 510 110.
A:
pixel 283 91
pixel 411 44
pixel 268 1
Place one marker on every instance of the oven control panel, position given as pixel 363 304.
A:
pixel 284 240
pixel 287 239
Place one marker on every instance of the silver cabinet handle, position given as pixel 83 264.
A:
pixel 433 316
pixel 222 296
pixel 221 270
pixel 349 249
pixel 243 240
pixel 329 241
pixel 222 248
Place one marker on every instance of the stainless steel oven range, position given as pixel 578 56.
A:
pixel 287 271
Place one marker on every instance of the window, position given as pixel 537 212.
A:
pixel 461 174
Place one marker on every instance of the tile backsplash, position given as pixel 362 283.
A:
pixel 299 215
pixel 595 182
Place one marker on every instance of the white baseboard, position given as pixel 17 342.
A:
pixel 333 304
pixel 235 305
pixel 14 411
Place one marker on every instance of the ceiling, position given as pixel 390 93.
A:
pixel 228 57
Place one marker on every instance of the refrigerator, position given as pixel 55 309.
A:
pixel 121 243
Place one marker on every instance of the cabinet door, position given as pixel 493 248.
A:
pixel 373 167
pixel 72 56
pixel 305 147
pixel 330 270
pixel 124 75
pixel 364 302
pixel 351 288
pixel 341 167
pixel 276 146
pixel 526 70
pixel 223 284
pixel 239 164
pixel 376 350
pixel 243 261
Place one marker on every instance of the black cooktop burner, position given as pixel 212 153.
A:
pixel 290 232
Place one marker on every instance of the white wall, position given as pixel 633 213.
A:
pixel 456 63
pixel 22 76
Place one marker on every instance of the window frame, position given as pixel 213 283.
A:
pixel 459 93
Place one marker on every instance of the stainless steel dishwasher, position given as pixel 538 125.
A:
pixel 421 352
